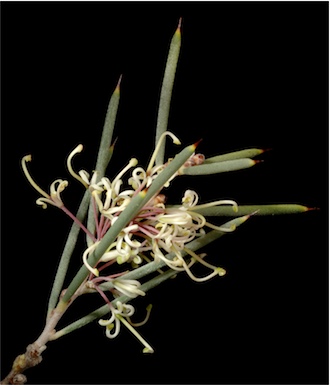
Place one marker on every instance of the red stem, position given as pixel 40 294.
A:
pixel 76 220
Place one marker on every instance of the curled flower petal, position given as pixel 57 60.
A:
pixel 190 198
pixel 129 287
pixel 44 201
pixel 115 327
pixel 86 253
pixel 56 191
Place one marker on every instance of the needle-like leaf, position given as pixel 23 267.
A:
pixel 219 167
pixel 105 149
pixel 107 133
pixel 247 153
pixel 273 209
pixel 166 91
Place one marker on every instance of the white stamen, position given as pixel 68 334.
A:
pixel 148 348
pixel 137 324
pixel 132 163
pixel 162 137
pixel 77 150
pixel 217 203
pixel 26 159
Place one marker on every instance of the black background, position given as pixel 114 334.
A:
pixel 250 75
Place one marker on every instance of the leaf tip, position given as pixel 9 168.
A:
pixel 178 29
pixel 118 84
pixel 196 144
pixel 312 208
pixel 179 24
pixel 113 144
pixel 254 213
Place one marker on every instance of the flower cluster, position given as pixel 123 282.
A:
pixel 158 231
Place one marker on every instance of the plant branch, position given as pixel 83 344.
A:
pixel 32 355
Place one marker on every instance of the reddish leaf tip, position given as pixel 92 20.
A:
pixel 197 143
pixel 313 209
pixel 119 81
pixel 180 23
pixel 254 213
pixel 114 143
